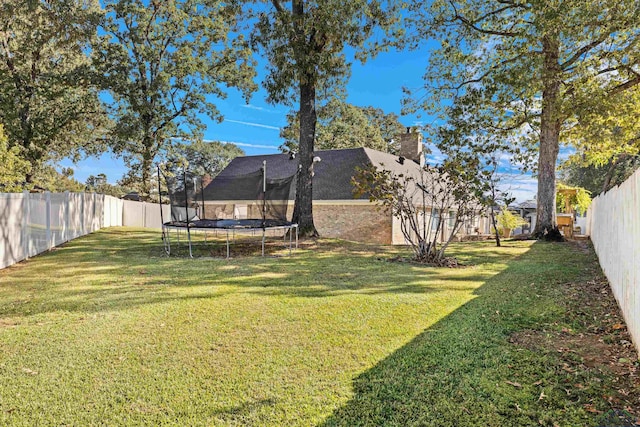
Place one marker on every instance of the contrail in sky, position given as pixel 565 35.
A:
pixel 258 125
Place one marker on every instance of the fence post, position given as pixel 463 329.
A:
pixel 67 208
pixel 82 229
pixel 25 224
pixel 47 199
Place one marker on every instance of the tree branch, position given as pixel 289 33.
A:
pixel 472 25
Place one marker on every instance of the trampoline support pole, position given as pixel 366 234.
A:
pixel 167 240
pixel 263 238
pixel 189 238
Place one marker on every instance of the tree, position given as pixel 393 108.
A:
pixel 48 103
pixel 489 191
pixel 529 70
pixel 343 125
pixel 389 126
pixel 424 202
pixel 204 157
pixel 48 178
pixel 12 167
pixel 161 62
pixel 577 172
pixel 98 184
pixel 304 43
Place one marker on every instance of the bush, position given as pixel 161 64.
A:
pixel 507 220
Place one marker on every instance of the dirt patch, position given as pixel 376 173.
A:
pixel 600 345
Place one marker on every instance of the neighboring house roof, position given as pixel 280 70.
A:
pixel 332 175
pixel 528 204
pixel 132 196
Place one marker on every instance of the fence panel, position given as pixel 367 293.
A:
pixel 12 220
pixel 614 227
pixel 142 214
pixel 112 212
pixel 32 223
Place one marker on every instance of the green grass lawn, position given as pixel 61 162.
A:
pixel 107 330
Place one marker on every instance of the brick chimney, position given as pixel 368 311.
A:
pixel 411 145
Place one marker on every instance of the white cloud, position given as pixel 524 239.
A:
pixel 259 125
pixel 256 108
pixel 522 187
pixel 245 144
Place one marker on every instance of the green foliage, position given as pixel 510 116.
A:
pixel 608 131
pixel 507 220
pixel 423 200
pixel 579 199
pixel 304 43
pixel 520 76
pixel 343 125
pixel 204 157
pixel 98 184
pixel 163 62
pixel 48 178
pixel 13 168
pixel 577 171
pixel 48 102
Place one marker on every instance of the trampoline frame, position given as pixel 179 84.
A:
pixel 233 225
pixel 230 233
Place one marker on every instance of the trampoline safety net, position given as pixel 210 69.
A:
pixel 244 201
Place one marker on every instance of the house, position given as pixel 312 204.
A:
pixel 336 213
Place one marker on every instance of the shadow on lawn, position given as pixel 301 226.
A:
pixel 463 371
pixel 116 270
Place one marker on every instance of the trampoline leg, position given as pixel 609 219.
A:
pixel 290 240
pixel 296 237
pixel 227 244
pixel 166 240
pixel 263 237
pixel 189 238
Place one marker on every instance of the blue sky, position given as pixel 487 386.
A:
pixel 255 126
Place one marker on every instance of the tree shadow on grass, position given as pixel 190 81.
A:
pixel 122 269
pixel 463 371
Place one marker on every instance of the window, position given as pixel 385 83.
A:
pixel 435 219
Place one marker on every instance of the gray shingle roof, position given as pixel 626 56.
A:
pixel 528 204
pixel 332 179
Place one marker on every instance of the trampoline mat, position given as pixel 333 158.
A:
pixel 231 224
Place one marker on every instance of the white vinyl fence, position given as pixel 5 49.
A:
pixel 614 226
pixel 32 223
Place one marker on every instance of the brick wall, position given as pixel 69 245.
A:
pixel 360 222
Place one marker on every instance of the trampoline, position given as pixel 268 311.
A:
pixel 264 203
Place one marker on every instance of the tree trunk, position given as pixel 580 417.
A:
pixel 147 161
pixel 495 226
pixel 550 124
pixel 303 209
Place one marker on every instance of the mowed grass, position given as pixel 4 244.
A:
pixel 108 330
